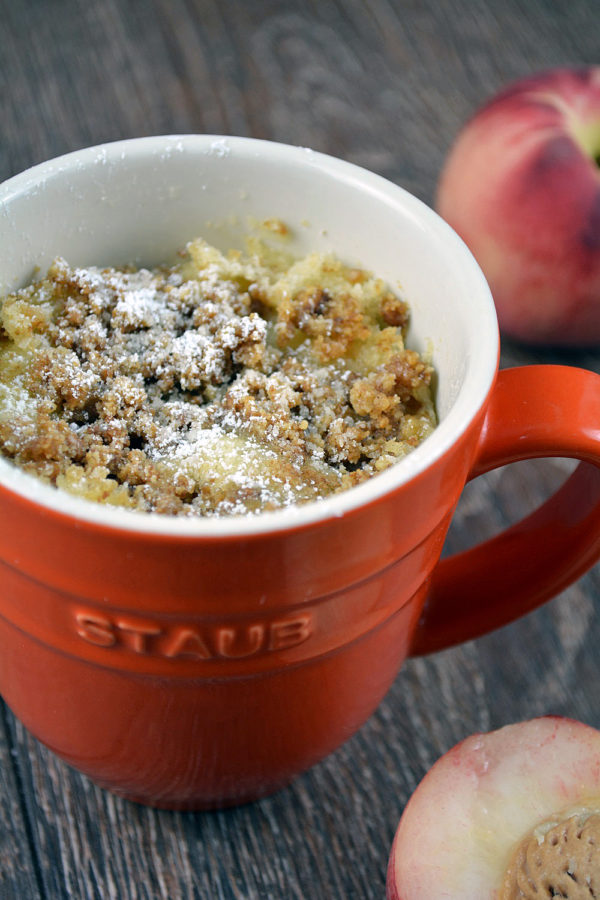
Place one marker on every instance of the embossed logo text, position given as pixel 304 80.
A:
pixel 191 641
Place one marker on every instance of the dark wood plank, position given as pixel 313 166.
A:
pixel 19 869
pixel 386 84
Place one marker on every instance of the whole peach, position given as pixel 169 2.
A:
pixel 521 186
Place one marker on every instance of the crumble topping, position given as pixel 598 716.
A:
pixel 223 385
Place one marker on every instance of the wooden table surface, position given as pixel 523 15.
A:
pixel 386 84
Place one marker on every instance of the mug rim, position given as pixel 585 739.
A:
pixel 478 381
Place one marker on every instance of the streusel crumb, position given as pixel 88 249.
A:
pixel 223 385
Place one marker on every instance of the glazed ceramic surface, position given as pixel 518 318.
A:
pixel 196 663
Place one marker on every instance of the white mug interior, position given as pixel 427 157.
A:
pixel 141 200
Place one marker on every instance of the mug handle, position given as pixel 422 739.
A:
pixel 534 411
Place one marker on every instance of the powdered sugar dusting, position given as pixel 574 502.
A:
pixel 220 148
pixel 223 385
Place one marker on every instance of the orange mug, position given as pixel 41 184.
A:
pixel 199 663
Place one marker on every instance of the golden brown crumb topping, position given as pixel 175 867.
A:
pixel 219 386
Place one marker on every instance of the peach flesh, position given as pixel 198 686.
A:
pixel 521 186
pixel 460 828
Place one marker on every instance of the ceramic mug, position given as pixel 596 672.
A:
pixel 199 663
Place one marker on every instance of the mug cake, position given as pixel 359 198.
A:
pixel 223 384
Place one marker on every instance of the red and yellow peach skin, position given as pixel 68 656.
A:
pixel 521 186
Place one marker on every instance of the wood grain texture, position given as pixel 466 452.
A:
pixel 386 84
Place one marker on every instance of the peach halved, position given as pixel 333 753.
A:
pixel 511 814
